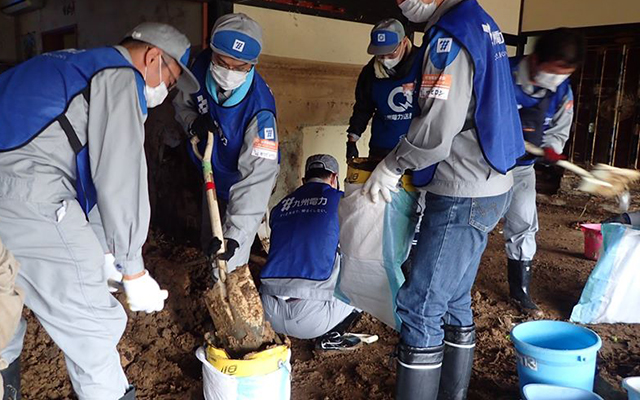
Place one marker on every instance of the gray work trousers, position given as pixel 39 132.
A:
pixel 304 319
pixel 62 278
pixel 521 220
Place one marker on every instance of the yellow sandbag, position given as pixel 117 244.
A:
pixel 360 169
pixel 262 363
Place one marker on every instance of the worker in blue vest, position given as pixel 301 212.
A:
pixel 385 90
pixel 468 127
pixel 73 186
pixel 545 103
pixel 237 106
pixel 302 270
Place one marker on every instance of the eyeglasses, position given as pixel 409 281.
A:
pixel 173 77
pixel 217 60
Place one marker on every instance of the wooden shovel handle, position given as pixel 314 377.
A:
pixel 537 151
pixel 212 199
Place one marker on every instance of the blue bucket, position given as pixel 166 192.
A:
pixel 539 391
pixel 556 353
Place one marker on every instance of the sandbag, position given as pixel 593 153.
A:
pixel 611 294
pixel 275 385
pixel 375 240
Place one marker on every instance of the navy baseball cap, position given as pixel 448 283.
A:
pixel 386 35
pixel 322 161
pixel 237 36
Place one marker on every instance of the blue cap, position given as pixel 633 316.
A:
pixel 237 36
pixel 385 37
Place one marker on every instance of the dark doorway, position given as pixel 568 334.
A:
pixel 59 39
pixel 607 91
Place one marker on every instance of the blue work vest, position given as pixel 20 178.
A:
pixel 396 102
pixel 304 234
pixel 37 92
pixel 496 117
pixel 231 123
pixel 536 113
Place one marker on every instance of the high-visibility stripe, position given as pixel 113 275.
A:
pixel 460 346
pixel 426 366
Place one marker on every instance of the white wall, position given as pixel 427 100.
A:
pixel 549 14
pixel 506 13
pixel 332 140
pixel 306 37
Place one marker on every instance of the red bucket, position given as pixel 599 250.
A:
pixel 592 240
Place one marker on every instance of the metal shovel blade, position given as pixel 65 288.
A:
pixel 237 313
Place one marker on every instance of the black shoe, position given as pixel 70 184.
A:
pixel 337 341
pixel 418 372
pixel 459 343
pixel 11 378
pixel 519 275
pixel 130 394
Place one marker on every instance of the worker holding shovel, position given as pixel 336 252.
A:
pixel 545 103
pixel 237 106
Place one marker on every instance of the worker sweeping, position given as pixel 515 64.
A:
pixel 234 103
pixel 72 136
pixel 385 90
pixel 545 103
pixel 469 129
pixel 300 276
pixel 10 311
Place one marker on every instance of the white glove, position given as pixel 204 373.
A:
pixel 112 274
pixel 144 294
pixel 383 181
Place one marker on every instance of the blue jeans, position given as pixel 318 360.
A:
pixel 453 236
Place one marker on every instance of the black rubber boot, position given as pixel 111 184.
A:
pixel 130 395
pixel 459 343
pixel 519 273
pixel 418 373
pixel 11 378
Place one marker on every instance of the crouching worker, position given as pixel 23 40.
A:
pixel 304 261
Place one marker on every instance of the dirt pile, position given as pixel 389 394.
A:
pixel 158 350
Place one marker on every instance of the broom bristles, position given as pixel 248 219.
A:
pixel 609 181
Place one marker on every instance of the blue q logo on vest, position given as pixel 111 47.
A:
pixel 238 45
pixel 407 92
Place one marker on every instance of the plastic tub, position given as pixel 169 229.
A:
pixel 592 240
pixel 556 353
pixel 632 386
pixel 539 391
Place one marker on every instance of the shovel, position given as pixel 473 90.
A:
pixel 603 180
pixel 233 302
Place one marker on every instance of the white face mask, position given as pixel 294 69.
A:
pixel 390 62
pixel 548 80
pixel 227 79
pixel 417 11
pixel 155 95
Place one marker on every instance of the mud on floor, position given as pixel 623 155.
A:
pixel 158 350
